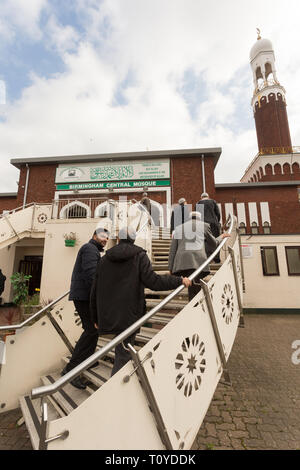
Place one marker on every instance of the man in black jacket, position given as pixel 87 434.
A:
pixel 211 215
pixel 117 296
pixel 81 283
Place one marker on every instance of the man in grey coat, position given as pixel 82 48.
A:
pixel 187 250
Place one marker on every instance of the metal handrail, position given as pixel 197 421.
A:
pixel 37 314
pixel 61 382
pixel 17 209
pixel 34 316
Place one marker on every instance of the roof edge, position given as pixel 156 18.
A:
pixel 214 152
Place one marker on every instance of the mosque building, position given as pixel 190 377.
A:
pixel 265 201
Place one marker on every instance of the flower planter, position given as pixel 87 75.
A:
pixel 70 242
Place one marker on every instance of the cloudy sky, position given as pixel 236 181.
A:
pixel 97 76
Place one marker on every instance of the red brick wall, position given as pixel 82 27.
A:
pixel 186 178
pixel 271 122
pixel 41 186
pixel 7 203
pixel 283 202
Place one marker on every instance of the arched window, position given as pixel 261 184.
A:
pixel 254 228
pixel 261 172
pixel 242 228
pixel 267 228
pixel 295 167
pixel 286 169
pixel 75 210
pixel 268 169
pixel 277 169
pixel 105 209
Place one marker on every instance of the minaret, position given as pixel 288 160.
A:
pixel 268 102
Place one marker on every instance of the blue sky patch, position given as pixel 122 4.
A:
pixel 193 90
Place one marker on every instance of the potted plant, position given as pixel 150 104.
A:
pixel 19 282
pixel 70 239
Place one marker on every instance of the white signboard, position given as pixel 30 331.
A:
pixel 116 171
pixel 247 251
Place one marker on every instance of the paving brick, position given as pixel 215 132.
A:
pixel 211 429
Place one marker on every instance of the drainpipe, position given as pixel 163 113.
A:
pixel 203 174
pixel 26 186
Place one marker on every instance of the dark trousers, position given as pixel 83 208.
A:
pixel 215 230
pixel 87 342
pixel 122 356
pixel 193 290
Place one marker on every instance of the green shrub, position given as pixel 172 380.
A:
pixel 19 283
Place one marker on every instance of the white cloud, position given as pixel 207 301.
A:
pixel 20 16
pixel 62 38
pixel 76 111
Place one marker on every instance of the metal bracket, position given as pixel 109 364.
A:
pixel 216 331
pixel 63 436
pixel 242 320
pixel 150 397
pixel 127 377
pixel 44 429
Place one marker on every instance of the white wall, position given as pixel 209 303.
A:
pixel 59 260
pixel 281 291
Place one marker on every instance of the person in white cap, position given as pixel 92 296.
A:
pixel 180 214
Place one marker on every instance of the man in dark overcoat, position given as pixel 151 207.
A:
pixel 81 283
pixel 117 296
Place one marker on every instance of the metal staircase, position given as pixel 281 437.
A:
pixel 159 399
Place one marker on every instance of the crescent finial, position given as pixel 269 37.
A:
pixel 258 33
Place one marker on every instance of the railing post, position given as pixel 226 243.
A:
pixel 44 426
pixel 216 331
pixel 60 331
pixel 237 286
pixel 145 384
pixel 241 260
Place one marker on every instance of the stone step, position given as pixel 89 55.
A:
pixel 31 410
pixel 100 374
pixel 67 398
pixel 97 375
pixel 160 256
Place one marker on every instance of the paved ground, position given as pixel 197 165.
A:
pixel 260 411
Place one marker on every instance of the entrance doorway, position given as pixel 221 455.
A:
pixel 32 266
